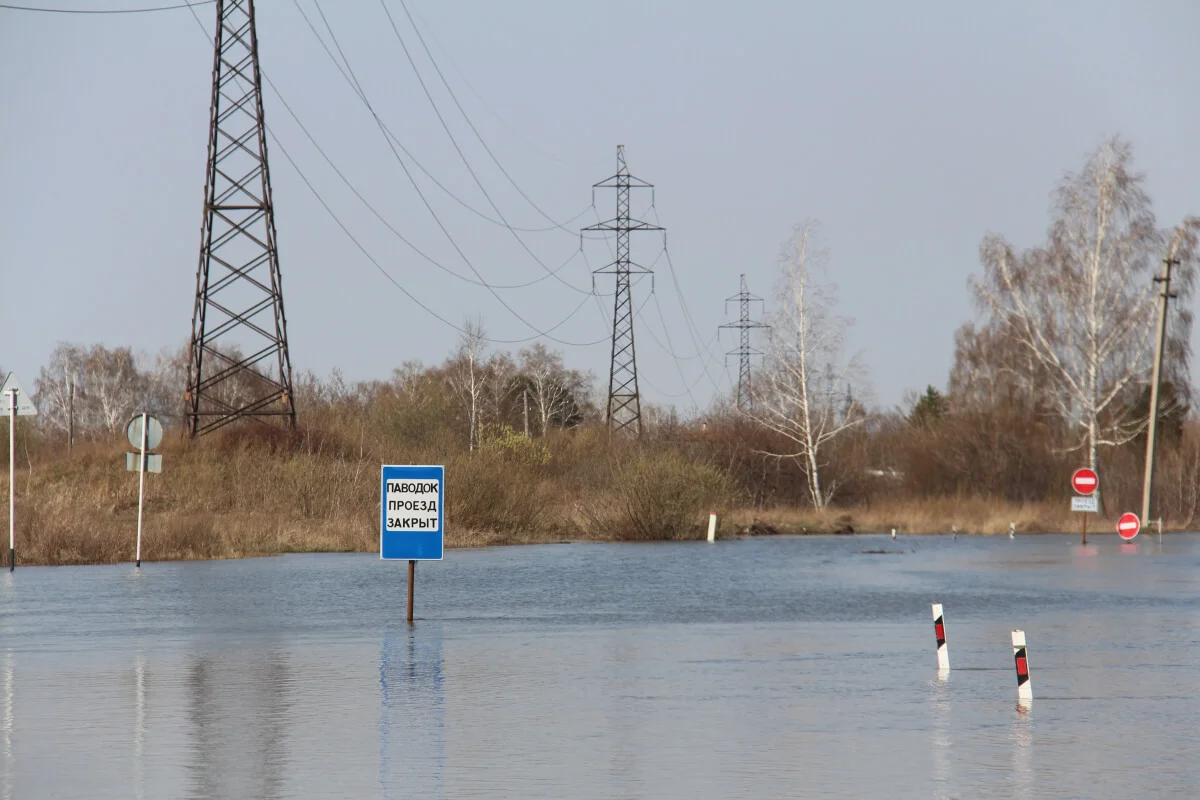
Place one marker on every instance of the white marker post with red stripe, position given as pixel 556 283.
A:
pixel 939 631
pixel 1021 656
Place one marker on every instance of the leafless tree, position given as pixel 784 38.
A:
pixel 164 384
pixel 1081 309
pixel 500 389
pixel 55 383
pixel 113 387
pixel 552 388
pixel 800 393
pixel 108 388
pixel 465 374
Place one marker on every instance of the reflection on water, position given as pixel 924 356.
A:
pixel 412 714
pixel 237 704
pixel 624 766
pixel 942 737
pixel 6 729
pixel 139 726
pixel 783 667
pixel 1022 743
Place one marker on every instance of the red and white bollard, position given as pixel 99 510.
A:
pixel 1021 657
pixel 939 631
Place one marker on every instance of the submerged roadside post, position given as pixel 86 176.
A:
pixel 1021 657
pixel 411 501
pixel 145 433
pixel 1085 482
pixel 19 405
pixel 939 632
pixel 712 527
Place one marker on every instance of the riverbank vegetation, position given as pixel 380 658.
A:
pixel 1052 375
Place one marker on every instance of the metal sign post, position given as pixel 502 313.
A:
pixel 1085 482
pixel 141 491
pixel 145 433
pixel 411 518
pixel 18 406
pixel 12 481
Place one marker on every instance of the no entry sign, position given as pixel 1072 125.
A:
pixel 1085 481
pixel 1128 526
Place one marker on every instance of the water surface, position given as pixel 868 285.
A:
pixel 774 667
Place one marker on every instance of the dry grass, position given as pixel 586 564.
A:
pixel 934 515
pixel 240 495
pixel 237 496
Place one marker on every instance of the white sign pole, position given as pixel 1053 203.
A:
pixel 141 487
pixel 12 480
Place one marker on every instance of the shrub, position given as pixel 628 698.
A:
pixel 485 491
pixel 665 496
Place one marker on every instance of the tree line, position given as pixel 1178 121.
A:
pixel 1052 372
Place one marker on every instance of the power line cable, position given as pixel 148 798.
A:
pixel 668 350
pixel 429 207
pixel 409 294
pixel 671 347
pixel 105 10
pixel 688 390
pixel 370 207
pixel 384 272
pixel 691 326
pixel 453 141
pixel 487 107
pixel 458 105
pixel 392 138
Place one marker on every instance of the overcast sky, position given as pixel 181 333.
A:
pixel 908 129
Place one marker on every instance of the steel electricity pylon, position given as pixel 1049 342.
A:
pixel 624 408
pixel 238 364
pixel 744 351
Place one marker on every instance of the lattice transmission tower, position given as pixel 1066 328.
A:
pixel 744 351
pixel 238 364
pixel 624 408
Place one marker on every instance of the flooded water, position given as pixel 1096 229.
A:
pixel 782 667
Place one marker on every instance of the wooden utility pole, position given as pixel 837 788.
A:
pixel 1155 378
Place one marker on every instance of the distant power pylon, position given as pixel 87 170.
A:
pixel 624 404
pixel 238 364
pixel 744 351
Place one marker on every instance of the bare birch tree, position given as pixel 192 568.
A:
pixel 552 388
pixel 1082 309
pixel 466 374
pixel 500 389
pixel 113 387
pixel 108 388
pixel 799 393
pixel 55 384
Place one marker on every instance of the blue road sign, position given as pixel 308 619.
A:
pixel 411 514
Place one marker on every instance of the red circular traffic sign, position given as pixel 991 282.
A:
pixel 1085 481
pixel 1128 526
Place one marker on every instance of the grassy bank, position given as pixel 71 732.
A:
pixel 258 493
pixel 255 491
pixel 929 516
pixel 236 496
